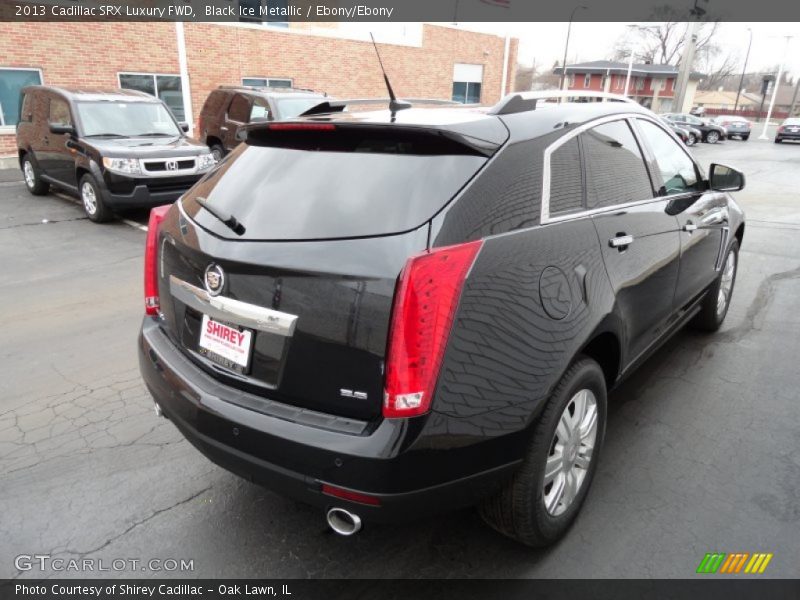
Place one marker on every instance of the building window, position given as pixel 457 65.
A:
pixel 571 80
pixel 275 82
pixel 11 83
pixel 166 87
pixel 467 80
pixel 672 84
pixel 640 83
pixel 587 80
pixel 658 85
pixel 252 11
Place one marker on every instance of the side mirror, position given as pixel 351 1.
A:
pixel 723 178
pixel 62 129
pixel 184 126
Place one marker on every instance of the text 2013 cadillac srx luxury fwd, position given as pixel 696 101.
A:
pixel 387 314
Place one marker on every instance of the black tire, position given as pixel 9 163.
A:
pixel 96 210
pixel 33 178
pixel 711 316
pixel 778 140
pixel 745 137
pixel 712 137
pixel 518 510
pixel 217 151
pixel 692 140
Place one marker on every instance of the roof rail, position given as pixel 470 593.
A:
pixel 525 101
pixel 267 88
pixel 338 105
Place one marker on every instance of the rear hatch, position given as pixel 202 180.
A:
pixel 330 216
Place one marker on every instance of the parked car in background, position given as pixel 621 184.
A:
pixel 698 111
pixel 115 149
pixel 711 132
pixel 788 130
pixel 229 107
pixel 385 346
pixel 687 137
pixel 734 126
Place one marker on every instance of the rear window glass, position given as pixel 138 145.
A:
pixel 337 184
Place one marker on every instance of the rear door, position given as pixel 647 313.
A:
pixel 237 115
pixel 638 236
pixel 702 214
pixel 60 162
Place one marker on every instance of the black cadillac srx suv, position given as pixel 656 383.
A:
pixel 115 149
pixel 391 314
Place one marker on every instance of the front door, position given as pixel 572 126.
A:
pixel 237 115
pixel 702 215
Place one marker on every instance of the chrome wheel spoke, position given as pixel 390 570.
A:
pixel 553 467
pixel 556 493
pixel 564 427
pixel 588 425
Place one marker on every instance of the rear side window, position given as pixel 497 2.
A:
pixel 678 172
pixel 59 112
pixel 615 168
pixel 239 109
pixel 566 178
pixel 26 111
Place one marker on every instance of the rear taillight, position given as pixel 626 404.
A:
pixel 425 306
pixel 780 129
pixel 151 303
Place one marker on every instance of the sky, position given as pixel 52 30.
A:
pixel 544 42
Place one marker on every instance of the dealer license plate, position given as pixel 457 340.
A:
pixel 226 345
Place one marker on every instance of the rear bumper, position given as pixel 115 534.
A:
pixel 295 459
pixel 787 136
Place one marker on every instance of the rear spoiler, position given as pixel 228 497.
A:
pixel 336 106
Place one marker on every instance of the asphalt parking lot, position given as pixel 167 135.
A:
pixel 702 451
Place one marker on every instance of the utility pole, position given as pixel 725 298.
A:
pixel 682 84
pixel 744 70
pixel 763 135
pixel 630 63
pixel 794 97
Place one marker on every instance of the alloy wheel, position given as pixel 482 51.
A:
pixel 30 176
pixel 570 452
pixel 726 284
pixel 89 197
pixel 712 137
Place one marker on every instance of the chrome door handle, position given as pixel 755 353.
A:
pixel 223 129
pixel 690 227
pixel 621 241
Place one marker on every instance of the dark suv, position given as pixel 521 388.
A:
pixel 228 108
pixel 115 149
pixel 387 314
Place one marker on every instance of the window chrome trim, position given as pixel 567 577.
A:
pixel 236 311
pixel 545 217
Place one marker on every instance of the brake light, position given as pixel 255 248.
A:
pixel 151 303
pixel 780 129
pixel 302 127
pixel 425 305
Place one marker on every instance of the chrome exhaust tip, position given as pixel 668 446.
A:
pixel 157 408
pixel 343 521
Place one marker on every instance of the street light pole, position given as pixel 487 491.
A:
pixel 763 135
pixel 566 46
pixel 744 70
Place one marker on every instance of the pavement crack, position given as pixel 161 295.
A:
pixel 764 296
pixel 45 222
pixel 136 524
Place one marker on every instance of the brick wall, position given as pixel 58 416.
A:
pixel 77 54
pixel 91 55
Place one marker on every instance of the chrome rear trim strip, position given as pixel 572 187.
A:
pixel 247 315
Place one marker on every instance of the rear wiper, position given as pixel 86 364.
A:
pixel 226 219
pixel 156 134
pixel 119 135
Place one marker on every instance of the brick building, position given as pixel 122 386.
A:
pixel 183 62
pixel 650 85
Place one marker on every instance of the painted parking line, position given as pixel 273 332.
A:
pixel 128 222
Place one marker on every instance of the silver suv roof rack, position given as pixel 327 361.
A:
pixel 525 101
